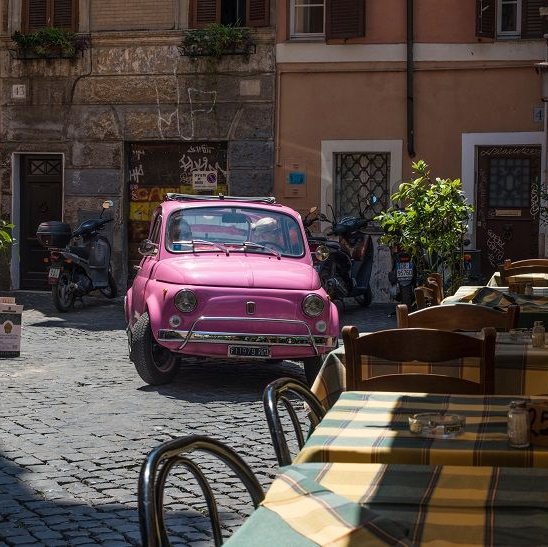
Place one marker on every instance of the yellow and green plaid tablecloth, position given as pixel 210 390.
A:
pixel 373 427
pixel 519 369
pixel 356 504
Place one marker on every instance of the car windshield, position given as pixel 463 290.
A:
pixel 236 229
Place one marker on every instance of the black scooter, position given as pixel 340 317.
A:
pixel 77 270
pixel 346 265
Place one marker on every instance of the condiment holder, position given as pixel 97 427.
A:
pixel 436 425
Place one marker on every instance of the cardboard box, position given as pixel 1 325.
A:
pixel 10 327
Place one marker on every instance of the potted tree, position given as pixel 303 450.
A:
pixel 430 223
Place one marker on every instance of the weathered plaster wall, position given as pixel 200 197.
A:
pixel 125 90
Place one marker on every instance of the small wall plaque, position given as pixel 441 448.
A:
pixel 507 212
pixel 19 91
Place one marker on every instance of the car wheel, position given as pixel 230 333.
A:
pixel 312 366
pixel 63 297
pixel 155 364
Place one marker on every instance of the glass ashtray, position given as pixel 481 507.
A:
pixel 437 426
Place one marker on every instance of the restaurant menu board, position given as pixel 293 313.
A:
pixel 154 169
pixel 10 327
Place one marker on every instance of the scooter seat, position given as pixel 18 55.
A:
pixel 82 252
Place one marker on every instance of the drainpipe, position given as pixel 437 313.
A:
pixel 410 74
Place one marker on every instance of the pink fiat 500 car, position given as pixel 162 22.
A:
pixel 228 278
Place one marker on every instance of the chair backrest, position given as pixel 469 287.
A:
pixel 435 282
pixel 277 391
pixel 522 267
pixel 154 473
pixel 431 346
pixel 425 296
pixel 458 316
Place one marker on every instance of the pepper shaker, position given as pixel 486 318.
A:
pixel 518 424
pixel 538 335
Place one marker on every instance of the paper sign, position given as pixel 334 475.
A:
pixel 10 328
pixel 204 180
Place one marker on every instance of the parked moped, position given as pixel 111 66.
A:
pixel 402 277
pixel 346 270
pixel 77 270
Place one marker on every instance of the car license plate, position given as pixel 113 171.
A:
pixel 404 271
pixel 248 351
pixel 54 274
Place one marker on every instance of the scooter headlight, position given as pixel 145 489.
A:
pixel 322 253
pixel 313 305
pixel 185 300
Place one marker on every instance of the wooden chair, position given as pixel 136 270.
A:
pixel 423 345
pixel 276 392
pixel 522 267
pixel 425 297
pixel 458 316
pixel 434 281
pixel 155 471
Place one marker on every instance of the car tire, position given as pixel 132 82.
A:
pixel 312 366
pixel 155 364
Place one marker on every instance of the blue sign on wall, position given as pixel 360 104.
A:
pixel 296 177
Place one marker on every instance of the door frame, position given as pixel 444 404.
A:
pixel 470 143
pixel 16 176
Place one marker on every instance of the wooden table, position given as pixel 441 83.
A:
pixel 519 369
pixel 373 427
pixel 358 504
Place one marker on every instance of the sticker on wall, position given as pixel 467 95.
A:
pixel 204 180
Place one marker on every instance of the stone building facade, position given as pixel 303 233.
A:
pixel 127 118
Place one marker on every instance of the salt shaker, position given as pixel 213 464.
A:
pixel 538 334
pixel 518 424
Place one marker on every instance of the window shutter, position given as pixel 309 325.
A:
pixel 205 12
pixel 63 14
pixel 257 13
pixel 35 15
pixel 485 18
pixel 344 18
pixel 531 22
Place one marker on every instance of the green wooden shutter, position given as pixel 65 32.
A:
pixel 35 15
pixel 532 24
pixel 486 18
pixel 344 18
pixel 205 12
pixel 257 13
pixel 63 14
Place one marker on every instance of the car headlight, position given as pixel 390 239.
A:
pixel 185 300
pixel 313 305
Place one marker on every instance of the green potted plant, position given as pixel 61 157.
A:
pixel 430 223
pixel 49 42
pixel 216 40
pixel 5 244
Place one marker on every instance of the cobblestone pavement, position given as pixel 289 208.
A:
pixel 77 421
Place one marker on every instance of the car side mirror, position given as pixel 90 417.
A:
pixel 148 248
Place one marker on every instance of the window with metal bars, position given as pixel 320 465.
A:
pixel 361 183
pixel 38 14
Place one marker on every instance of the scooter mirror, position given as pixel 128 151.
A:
pixel 107 204
pixel 322 252
pixel 312 210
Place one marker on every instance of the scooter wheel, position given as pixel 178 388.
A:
pixel 63 298
pixel 112 290
pixel 155 364
pixel 366 298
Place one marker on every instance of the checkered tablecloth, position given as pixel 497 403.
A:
pixel 519 369
pixel 357 504
pixel 373 427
